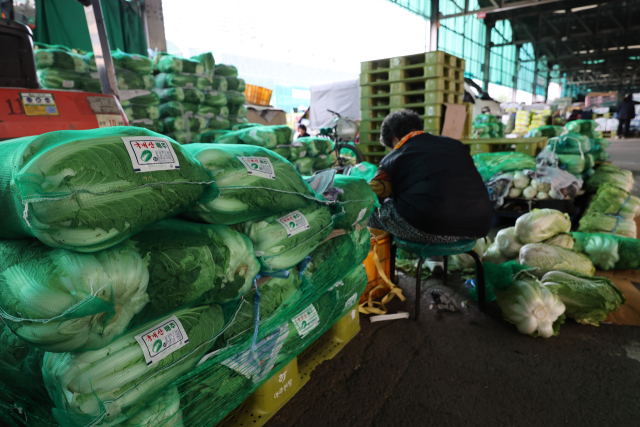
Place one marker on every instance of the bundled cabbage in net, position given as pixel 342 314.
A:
pixel 235 97
pixel 581 126
pixel 81 190
pixel 364 170
pixel 190 262
pixel 130 80
pixel 146 100
pixel 166 80
pixel 238 110
pixel 355 204
pixel 137 112
pixel 226 70
pixel 217 123
pixel 548 131
pixel 174 64
pixel 260 136
pixel 281 241
pixel 572 163
pixel 254 183
pixel 218 83
pixel 317 145
pixel 53 78
pixel 608 252
pixel 171 94
pixel 59 300
pixel 304 165
pixel 234 83
pixel 193 95
pixel 177 109
pixel 215 98
pixel 60 59
pixel 182 124
pixel 595 222
pixel 136 63
pixel 612 200
pixel 210 112
pixel 541 224
pixel 150 124
pixel 610 174
pixel 489 164
pixel 208 63
pixel 570 143
pixel 115 382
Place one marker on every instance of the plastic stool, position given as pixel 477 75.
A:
pixel 424 251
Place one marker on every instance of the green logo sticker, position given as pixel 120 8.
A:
pixel 157 346
pixel 146 155
pixel 292 224
pixel 254 166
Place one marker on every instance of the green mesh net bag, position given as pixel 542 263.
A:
pixel 317 145
pixel 489 164
pixel 114 383
pixel 254 183
pixel 174 64
pixel 150 124
pixel 355 204
pixel 234 83
pixel 611 200
pixel 261 136
pixel 226 70
pixel 136 63
pixel 211 112
pixel 91 189
pixel 235 97
pixel 609 252
pixel 54 78
pixel 61 59
pixel 171 94
pixel 130 80
pixel 177 109
pixel 215 98
pixel 146 100
pixel 581 126
pixel 190 262
pixel 137 112
pixel 166 80
pixel 60 300
pixel 208 63
pixel 570 143
pixel 364 170
pixel 283 240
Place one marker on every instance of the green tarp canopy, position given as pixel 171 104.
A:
pixel 63 22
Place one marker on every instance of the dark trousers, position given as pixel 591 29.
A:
pixel 623 127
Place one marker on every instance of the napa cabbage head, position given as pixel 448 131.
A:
pixel 589 299
pixel 78 190
pixel 602 249
pixel 355 204
pixel 595 222
pixel 541 224
pixel 247 195
pixel 563 239
pixel 163 411
pixel 612 200
pixel 543 258
pixel 508 242
pixel 59 300
pixel 114 383
pixel 534 309
pixel 191 262
pixel 281 241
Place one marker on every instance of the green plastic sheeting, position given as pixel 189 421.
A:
pixel 63 22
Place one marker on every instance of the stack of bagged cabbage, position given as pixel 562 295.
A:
pixel 487 126
pixel 307 154
pixel 58 67
pixel 197 96
pixel 558 280
pixel 147 283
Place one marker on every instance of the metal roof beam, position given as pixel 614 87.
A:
pixel 554 38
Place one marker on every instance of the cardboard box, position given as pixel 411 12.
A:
pixel 454 120
pixel 267 116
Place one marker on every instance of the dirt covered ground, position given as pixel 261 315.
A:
pixel 468 368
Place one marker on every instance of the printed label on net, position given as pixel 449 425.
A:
pixel 258 166
pixel 351 301
pixel 360 216
pixel 294 223
pixel 336 285
pixel 68 83
pixel 306 321
pixel 150 153
pixel 162 340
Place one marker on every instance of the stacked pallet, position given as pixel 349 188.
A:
pixel 421 82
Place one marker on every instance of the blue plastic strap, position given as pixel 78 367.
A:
pixel 617 222
pixel 304 264
pixel 624 203
pixel 280 274
pixel 256 314
pixel 470 283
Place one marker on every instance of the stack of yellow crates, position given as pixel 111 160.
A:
pixel 421 82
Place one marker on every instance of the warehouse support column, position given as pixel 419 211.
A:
pixel 155 25
pixel 100 45
pixel 534 85
pixel 486 69
pixel 435 23
pixel 514 92
pixel 546 88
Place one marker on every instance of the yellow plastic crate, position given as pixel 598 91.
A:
pixel 265 402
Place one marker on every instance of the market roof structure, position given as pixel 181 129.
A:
pixel 591 45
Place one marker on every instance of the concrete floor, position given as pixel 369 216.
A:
pixel 468 368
